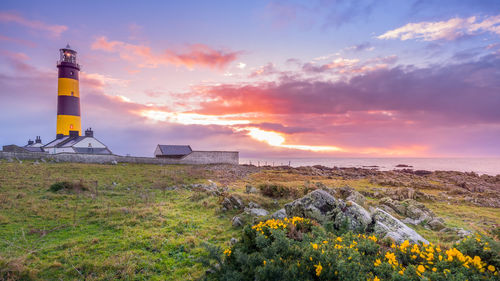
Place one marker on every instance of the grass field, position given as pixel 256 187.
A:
pixel 126 223
pixel 125 226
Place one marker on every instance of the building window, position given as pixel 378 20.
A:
pixel 72 94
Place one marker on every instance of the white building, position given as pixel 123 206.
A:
pixel 77 144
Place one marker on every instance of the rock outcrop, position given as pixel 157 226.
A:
pixel 324 208
pixel 356 216
pixel 415 212
pixel 232 202
pixel 388 226
pixel 318 205
pixel 350 194
pixel 256 212
pixel 236 221
pixel 279 214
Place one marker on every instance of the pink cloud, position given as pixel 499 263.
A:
pixel 196 55
pixel 444 30
pixel 347 66
pixel 18 41
pixel 457 93
pixel 53 30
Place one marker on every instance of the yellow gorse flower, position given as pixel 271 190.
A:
pixel 426 257
pixel 277 223
pixel 318 269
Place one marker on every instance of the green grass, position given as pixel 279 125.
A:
pixel 129 226
pixel 132 230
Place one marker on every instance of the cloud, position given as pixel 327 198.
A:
pixel 268 69
pixel 337 64
pixel 457 93
pixel 18 41
pixel 445 30
pixel 196 55
pixel 366 46
pixel 350 66
pixel 53 30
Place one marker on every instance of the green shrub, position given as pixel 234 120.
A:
pixel 69 186
pixel 275 190
pixel 299 249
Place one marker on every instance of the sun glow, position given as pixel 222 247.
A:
pixel 240 123
pixel 277 139
pixel 192 118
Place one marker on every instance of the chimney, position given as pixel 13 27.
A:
pixel 38 139
pixel 74 134
pixel 89 133
pixel 30 142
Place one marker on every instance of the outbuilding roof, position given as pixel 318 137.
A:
pixel 175 149
pixel 33 149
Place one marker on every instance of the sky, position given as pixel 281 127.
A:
pixel 316 78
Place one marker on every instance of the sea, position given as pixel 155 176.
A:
pixel 489 166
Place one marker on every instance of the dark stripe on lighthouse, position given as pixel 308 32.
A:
pixel 68 105
pixel 68 72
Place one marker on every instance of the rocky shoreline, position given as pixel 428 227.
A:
pixel 398 199
pixel 451 186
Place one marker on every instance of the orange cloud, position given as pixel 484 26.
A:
pixel 54 30
pixel 197 54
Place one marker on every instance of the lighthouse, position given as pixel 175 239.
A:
pixel 69 138
pixel 68 94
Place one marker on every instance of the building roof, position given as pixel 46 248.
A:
pixel 34 148
pixel 56 142
pixel 72 141
pixel 67 141
pixel 175 149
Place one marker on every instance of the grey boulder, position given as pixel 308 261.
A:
pixel 279 214
pixel 388 226
pixel 357 217
pixel 318 205
pixel 232 202
pixel 256 212
pixel 236 221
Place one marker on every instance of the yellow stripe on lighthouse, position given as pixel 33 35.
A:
pixel 68 87
pixel 66 123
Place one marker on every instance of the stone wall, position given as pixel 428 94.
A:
pixel 196 157
pixel 208 157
